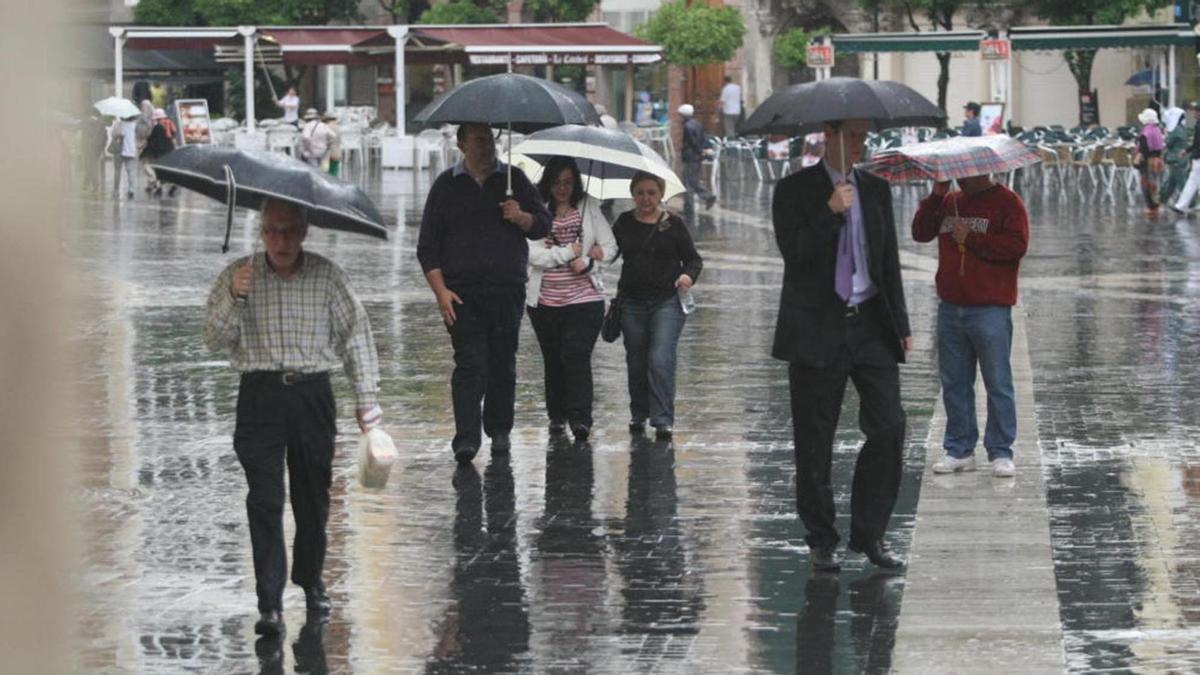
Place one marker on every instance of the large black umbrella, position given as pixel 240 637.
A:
pixel 804 108
pixel 248 177
pixel 512 101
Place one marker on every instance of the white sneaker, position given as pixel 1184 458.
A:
pixel 1003 468
pixel 950 464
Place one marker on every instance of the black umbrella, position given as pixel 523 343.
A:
pixel 804 108
pixel 512 101
pixel 248 177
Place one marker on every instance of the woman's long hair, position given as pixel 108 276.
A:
pixel 550 174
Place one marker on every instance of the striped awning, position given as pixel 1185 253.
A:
pixel 1057 38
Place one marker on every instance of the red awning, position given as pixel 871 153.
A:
pixel 322 46
pixel 591 43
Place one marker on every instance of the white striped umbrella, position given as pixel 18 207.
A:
pixel 607 159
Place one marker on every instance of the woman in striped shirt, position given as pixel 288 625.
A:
pixel 566 295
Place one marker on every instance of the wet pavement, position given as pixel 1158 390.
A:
pixel 623 555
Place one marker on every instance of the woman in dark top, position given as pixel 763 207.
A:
pixel 158 144
pixel 658 268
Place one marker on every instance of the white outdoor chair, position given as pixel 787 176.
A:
pixel 430 149
pixel 283 138
pixel 352 144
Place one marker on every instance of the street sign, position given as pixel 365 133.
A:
pixel 820 56
pixel 995 50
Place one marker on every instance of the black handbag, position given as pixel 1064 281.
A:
pixel 610 330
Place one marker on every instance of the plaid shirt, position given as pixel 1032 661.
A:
pixel 309 323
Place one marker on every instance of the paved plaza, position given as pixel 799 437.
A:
pixel 626 555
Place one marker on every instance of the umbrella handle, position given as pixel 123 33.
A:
pixel 231 201
pixel 508 193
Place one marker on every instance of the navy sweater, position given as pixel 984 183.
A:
pixel 464 234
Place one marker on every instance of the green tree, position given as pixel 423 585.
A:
pixel 697 35
pixel 560 11
pixel 791 48
pixel 1088 13
pixel 459 12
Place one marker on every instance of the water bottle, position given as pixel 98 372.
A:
pixel 687 302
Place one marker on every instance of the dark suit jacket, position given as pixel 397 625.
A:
pixel 811 324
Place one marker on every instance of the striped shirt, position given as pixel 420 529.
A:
pixel 562 286
pixel 310 322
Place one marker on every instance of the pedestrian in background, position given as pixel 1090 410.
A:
pixel 1175 153
pixel 982 232
pixel 1149 160
pixel 1184 203
pixel 694 142
pixel 971 125
pixel 472 250
pixel 565 294
pixel 288 317
pixel 158 144
pixel 315 139
pixel 123 146
pixel 290 103
pixel 842 316
pixel 334 161
pixel 731 106
pixel 661 264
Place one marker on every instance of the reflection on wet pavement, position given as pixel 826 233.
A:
pixel 621 555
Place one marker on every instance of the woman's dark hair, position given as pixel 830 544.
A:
pixel 553 170
pixel 644 175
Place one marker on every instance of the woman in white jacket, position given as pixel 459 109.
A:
pixel 565 294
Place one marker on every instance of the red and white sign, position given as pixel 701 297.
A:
pixel 820 56
pixel 995 50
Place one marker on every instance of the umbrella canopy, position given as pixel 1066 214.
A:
pixel 1142 78
pixel 804 108
pixel 116 107
pixel 607 158
pixel 959 157
pixel 247 178
pixel 526 103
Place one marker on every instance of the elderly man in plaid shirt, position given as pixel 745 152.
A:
pixel 289 317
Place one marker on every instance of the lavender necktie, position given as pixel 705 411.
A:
pixel 843 280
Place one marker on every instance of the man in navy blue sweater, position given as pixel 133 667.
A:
pixel 472 250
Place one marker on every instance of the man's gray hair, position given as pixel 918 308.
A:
pixel 297 209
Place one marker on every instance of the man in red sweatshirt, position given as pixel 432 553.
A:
pixel 982 232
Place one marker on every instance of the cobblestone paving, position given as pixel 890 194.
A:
pixel 624 555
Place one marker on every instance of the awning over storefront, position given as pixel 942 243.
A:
pixel 942 41
pixel 520 44
pixel 1056 38
pixel 537 44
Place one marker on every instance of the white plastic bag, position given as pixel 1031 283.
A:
pixel 376 454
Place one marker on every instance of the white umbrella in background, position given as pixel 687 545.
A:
pixel 117 107
pixel 607 159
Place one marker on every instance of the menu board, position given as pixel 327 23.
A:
pixel 193 121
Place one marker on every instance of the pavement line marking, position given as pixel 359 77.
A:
pixel 981 594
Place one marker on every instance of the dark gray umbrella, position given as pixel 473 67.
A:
pixel 804 108
pixel 511 101
pixel 247 178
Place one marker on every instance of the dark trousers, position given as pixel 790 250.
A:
pixel 693 179
pixel 567 336
pixel 484 337
pixel 296 423
pixel 817 393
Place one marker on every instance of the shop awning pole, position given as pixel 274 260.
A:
pixel 399 86
pixel 248 40
pixel 118 34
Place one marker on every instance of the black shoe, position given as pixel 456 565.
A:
pixel 558 428
pixel 877 552
pixel 501 444
pixel 637 427
pixel 317 602
pixel 663 432
pixel 1176 209
pixel 581 432
pixel 465 453
pixel 270 623
pixel 824 558
pixel 708 203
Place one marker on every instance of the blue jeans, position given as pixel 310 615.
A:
pixel 651 330
pixel 970 335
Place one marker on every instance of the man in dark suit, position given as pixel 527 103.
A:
pixel 842 316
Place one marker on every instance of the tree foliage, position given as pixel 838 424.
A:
pixel 696 35
pixel 459 12
pixel 791 48
pixel 560 11
pixel 245 12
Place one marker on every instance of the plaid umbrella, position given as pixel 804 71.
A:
pixel 959 157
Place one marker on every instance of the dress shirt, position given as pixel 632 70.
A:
pixel 310 322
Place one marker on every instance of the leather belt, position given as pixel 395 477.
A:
pixel 287 377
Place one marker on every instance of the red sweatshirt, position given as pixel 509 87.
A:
pixel 986 273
